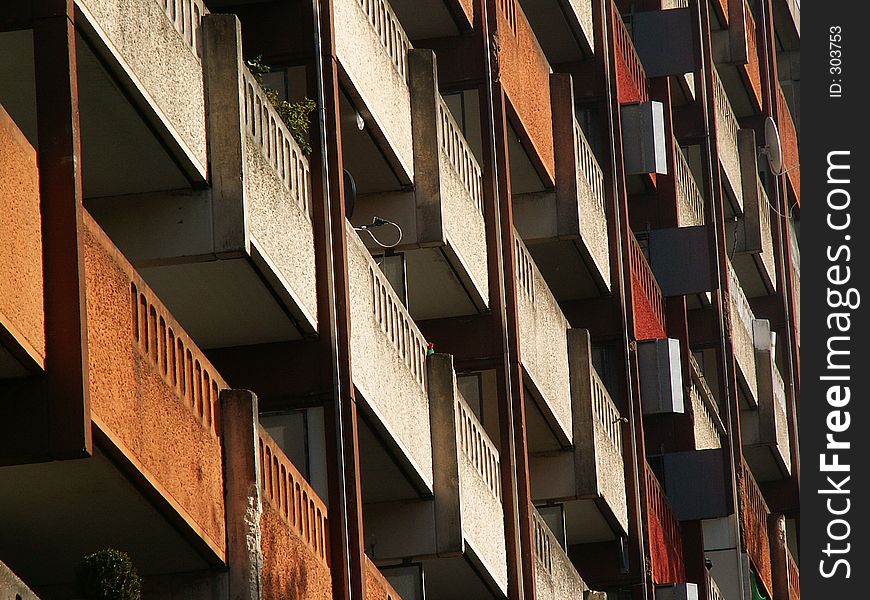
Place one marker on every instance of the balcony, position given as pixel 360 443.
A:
pixel 564 29
pixel 795 270
pixel 737 58
pixel 388 354
pixel 787 20
pixel 458 535
pixel 765 429
pixel 282 546
pixel 293 525
pixel 372 49
pixel 12 587
pixel 726 137
pixel 790 153
pixel 631 82
pixel 707 424
pixel 590 477
pixel 690 200
pixel 555 575
pixel 141 99
pixel 666 540
pixel 742 320
pixel 750 239
pixel 443 232
pixel 525 77
pixel 754 514
pixel 567 228
pixel 22 315
pixel 155 48
pixel 154 484
pixel 543 333
pixel 248 239
pixel 647 300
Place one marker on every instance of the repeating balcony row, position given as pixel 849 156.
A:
pixel 764 413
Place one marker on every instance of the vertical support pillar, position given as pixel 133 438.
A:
pixel 243 503
pixel 778 557
pixel 60 190
pixel 423 84
pixel 445 454
pixel 222 65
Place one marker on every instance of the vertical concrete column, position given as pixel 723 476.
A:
pixel 778 558
pixel 567 195
pixel 423 86
pixel 580 361
pixel 445 454
pixel 751 240
pixel 60 191
pixel 225 110
pixel 243 503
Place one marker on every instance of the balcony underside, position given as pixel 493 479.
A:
pixel 460 578
pixel 55 513
pixel 387 472
pixel 123 150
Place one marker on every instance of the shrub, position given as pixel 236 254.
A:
pixel 294 114
pixel 108 575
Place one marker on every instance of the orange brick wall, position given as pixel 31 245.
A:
pixel 291 571
pixel 133 403
pixel 21 305
pixel 525 75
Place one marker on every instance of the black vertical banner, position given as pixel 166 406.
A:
pixel 835 253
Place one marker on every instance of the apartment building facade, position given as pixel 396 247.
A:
pixel 518 316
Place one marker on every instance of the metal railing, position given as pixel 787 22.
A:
pixel 755 514
pixel 626 51
pixel 276 143
pixel 454 145
pixel 286 490
pixel 658 505
pixel 643 276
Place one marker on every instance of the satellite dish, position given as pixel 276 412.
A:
pixel 349 194
pixel 772 146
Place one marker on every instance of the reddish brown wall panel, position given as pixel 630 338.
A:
pixel 133 402
pixel 21 305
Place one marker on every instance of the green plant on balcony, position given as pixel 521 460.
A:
pixel 108 575
pixel 294 114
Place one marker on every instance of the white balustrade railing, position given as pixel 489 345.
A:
pixel 454 145
pixel 275 142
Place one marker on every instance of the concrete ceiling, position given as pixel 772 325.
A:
pixel 550 22
pixel 363 158
pixel 423 19
pixel 52 514
pixel 239 308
